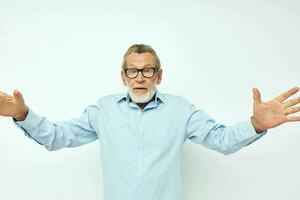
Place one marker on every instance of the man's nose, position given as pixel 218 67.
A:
pixel 140 77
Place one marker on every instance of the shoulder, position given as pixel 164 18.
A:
pixel 103 103
pixel 174 99
pixel 110 99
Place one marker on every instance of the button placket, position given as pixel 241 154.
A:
pixel 140 134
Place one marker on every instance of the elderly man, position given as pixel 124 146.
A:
pixel 142 131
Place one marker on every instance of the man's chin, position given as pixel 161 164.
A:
pixel 140 98
pixel 141 95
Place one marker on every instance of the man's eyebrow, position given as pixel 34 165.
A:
pixel 146 65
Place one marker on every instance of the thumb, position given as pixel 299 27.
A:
pixel 18 95
pixel 256 96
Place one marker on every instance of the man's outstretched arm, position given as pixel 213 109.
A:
pixel 202 129
pixel 53 135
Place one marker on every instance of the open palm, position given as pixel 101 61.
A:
pixel 275 112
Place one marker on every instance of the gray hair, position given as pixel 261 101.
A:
pixel 141 48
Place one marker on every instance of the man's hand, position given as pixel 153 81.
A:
pixel 275 112
pixel 13 106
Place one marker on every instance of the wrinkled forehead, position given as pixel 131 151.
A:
pixel 140 60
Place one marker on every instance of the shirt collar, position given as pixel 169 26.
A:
pixel 157 97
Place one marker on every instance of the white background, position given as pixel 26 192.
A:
pixel 63 55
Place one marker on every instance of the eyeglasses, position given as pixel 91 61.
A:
pixel 146 72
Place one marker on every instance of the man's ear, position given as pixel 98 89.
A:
pixel 123 76
pixel 159 74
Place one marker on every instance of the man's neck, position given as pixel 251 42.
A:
pixel 142 105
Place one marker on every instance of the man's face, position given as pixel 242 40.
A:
pixel 141 89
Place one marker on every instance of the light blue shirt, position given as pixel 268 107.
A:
pixel 140 149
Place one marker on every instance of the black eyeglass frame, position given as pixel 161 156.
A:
pixel 155 69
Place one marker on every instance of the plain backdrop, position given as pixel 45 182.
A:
pixel 63 55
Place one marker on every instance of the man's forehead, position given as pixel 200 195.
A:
pixel 140 59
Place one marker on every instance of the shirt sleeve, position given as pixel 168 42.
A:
pixel 202 129
pixel 56 135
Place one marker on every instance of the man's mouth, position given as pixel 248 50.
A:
pixel 139 88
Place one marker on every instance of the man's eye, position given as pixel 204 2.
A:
pixel 132 70
pixel 147 69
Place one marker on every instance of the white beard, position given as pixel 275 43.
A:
pixel 142 99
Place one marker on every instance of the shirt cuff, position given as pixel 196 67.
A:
pixel 253 135
pixel 31 121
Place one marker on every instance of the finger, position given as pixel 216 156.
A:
pixel 2 94
pixel 18 95
pixel 287 94
pixel 293 118
pixel 256 95
pixel 292 110
pixel 291 102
